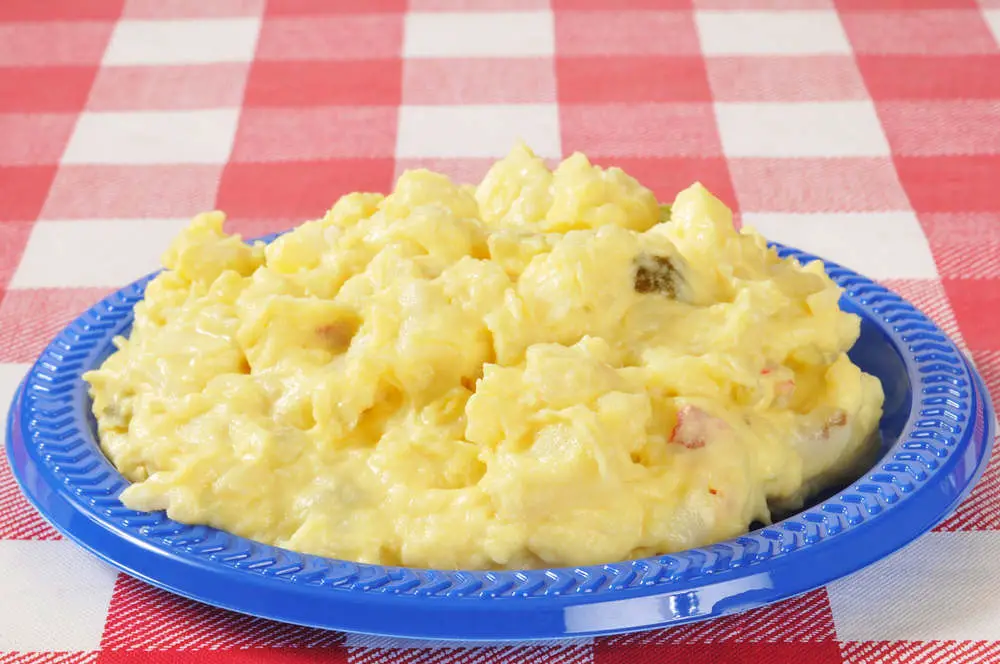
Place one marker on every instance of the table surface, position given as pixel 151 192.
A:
pixel 867 131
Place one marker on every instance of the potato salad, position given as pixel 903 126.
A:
pixel 548 368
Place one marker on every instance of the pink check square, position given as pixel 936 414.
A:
pixel 919 32
pixel 343 37
pixel 845 184
pixel 135 191
pixel 169 87
pixel 304 134
pixel 637 130
pixel 169 9
pixel 37 138
pixel 445 81
pixel 626 33
pixel 53 43
pixel 966 245
pixel 31 318
pixel 938 127
pixel 596 79
pixel 784 78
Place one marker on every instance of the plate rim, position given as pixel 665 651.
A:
pixel 527 612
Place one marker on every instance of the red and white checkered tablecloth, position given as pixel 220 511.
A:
pixel 867 131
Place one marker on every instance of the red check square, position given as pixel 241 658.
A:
pixel 951 184
pixel 965 245
pixel 919 32
pixel 361 37
pixel 976 302
pixel 45 89
pixel 90 191
pixel 169 88
pixel 53 43
pixel 862 5
pixel 13 239
pixel 917 128
pixel 31 318
pixel 34 139
pixel 626 33
pixel 317 7
pixel 847 184
pixel 477 5
pixel 307 134
pixel 142 617
pixel 931 77
pixel 730 653
pixel 618 5
pixel 988 364
pixel 640 130
pixel 924 652
pixel 442 81
pixel 61 10
pixel 298 190
pixel 763 4
pixel 609 79
pixel 362 82
pixel 171 9
pixel 930 296
pixel 785 78
pixel 23 190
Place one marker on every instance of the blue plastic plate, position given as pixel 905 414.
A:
pixel 938 429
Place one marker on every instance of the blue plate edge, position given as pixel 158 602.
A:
pixel 71 534
pixel 982 405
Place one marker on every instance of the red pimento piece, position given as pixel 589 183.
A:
pixel 690 443
pixel 712 491
pixel 694 427
pixel 837 419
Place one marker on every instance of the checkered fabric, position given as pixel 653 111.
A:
pixel 867 131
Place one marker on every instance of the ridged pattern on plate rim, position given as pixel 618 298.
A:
pixel 59 425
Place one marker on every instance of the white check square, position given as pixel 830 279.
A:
pixel 89 253
pixel 941 587
pixel 479 34
pixel 477 131
pixel 816 32
pixel 153 137
pixel 880 245
pixel 993 20
pixel 182 42
pixel 45 580
pixel 10 378
pixel 807 129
